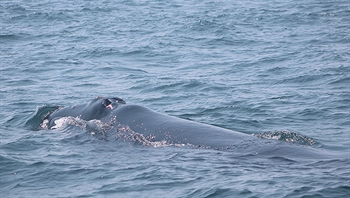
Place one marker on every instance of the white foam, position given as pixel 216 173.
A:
pixel 45 124
pixel 60 122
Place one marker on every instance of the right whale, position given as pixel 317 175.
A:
pixel 131 120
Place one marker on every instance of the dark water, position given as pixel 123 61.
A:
pixel 257 67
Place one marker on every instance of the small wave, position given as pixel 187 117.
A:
pixel 287 136
pixel 16 7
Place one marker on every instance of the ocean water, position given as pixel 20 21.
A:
pixel 257 67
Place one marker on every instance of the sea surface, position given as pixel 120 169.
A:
pixel 259 67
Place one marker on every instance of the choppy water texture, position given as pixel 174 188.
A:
pixel 258 67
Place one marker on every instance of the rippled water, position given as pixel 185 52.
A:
pixel 257 67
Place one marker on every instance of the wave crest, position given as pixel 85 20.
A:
pixel 287 136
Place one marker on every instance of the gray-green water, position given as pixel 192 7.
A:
pixel 257 67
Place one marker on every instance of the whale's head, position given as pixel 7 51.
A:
pixel 98 108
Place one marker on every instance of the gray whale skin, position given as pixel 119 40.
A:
pixel 173 130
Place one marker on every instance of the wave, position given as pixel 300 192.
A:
pixel 287 136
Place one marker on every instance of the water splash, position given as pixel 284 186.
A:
pixel 287 136
pixel 127 134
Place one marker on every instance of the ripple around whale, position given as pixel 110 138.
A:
pixel 112 119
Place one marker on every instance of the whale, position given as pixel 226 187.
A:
pixel 153 126
pixel 156 126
